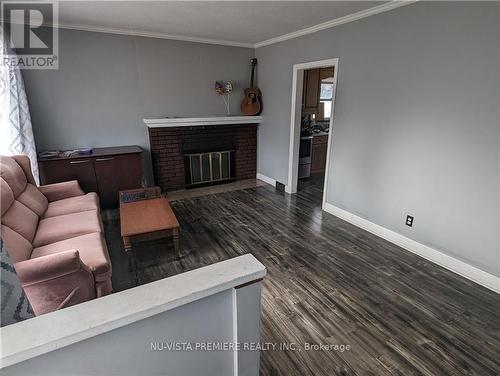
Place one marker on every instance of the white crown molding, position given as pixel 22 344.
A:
pixel 337 21
pixel 470 272
pixel 150 34
pixel 313 29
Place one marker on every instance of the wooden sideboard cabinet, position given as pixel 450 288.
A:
pixel 106 171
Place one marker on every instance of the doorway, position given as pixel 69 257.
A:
pixel 312 112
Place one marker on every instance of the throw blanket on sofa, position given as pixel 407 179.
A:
pixel 15 304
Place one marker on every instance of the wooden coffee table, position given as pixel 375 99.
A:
pixel 147 220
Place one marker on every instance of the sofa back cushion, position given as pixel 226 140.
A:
pixel 22 220
pixel 19 248
pixel 34 199
pixel 22 205
pixel 13 174
pixel 7 196
pixel 24 162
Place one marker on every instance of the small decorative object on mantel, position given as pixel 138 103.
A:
pixel 251 103
pixel 224 89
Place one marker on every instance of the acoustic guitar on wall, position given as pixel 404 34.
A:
pixel 251 103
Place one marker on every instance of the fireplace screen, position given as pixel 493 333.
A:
pixel 209 168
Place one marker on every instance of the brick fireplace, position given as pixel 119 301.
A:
pixel 172 140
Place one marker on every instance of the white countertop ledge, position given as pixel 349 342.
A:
pixel 192 122
pixel 33 337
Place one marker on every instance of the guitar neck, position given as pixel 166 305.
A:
pixel 254 63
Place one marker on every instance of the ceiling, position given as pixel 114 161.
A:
pixel 243 23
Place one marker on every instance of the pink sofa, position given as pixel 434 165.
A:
pixel 54 237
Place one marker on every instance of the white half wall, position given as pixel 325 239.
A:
pixel 161 328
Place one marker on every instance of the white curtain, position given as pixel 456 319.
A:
pixel 16 132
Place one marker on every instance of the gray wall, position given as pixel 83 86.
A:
pixel 416 126
pixel 107 83
pixel 127 350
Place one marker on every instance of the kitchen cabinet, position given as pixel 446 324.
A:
pixel 326 73
pixel 106 171
pixel 310 92
pixel 318 154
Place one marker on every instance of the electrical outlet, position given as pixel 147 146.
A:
pixel 409 220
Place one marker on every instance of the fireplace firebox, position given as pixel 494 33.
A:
pixel 208 168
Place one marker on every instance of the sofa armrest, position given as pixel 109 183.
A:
pixel 60 191
pixel 45 268
pixel 56 281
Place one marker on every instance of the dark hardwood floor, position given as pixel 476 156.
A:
pixel 332 283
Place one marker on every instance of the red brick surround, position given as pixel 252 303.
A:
pixel 169 144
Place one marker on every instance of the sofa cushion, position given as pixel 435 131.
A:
pixel 34 199
pixel 92 249
pixel 13 174
pixel 62 227
pixel 21 219
pixel 61 191
pixel 7 197
pixel 24 162
pixel 18 247
pixel 77 204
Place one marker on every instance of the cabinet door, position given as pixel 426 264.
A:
pixel 117 173
pixel 326 73
pixel 318 160
pixel 58 171
pixel 311 91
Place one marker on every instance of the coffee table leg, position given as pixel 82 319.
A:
pixel 175 234
pixel 130 253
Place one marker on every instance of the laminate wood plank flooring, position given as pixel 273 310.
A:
pixel 330 282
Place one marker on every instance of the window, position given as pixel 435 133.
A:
pixel 325 97
pixel 326 91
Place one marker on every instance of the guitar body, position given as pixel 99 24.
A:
pixel 251 103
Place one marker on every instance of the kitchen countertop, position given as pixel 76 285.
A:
pixel 320 134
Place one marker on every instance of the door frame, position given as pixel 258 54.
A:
pixel 295 122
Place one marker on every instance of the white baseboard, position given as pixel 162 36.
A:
pixel 266 179
pixel 465 270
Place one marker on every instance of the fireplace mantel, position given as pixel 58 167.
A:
pixel 211 120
